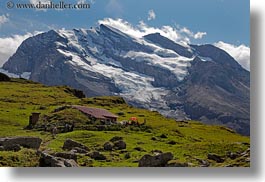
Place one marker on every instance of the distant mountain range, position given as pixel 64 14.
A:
pixel 200 82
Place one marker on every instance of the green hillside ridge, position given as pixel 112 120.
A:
pixel 189 141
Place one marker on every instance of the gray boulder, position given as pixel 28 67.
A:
pixel 47 160
pixel 116 138
pixel 12 143
pixel 119 145
pixel 159 160
pixel 65 155
pixel 14 147
pixel 79 150
pixel 108 146
pixel 97 156
pixel 70 144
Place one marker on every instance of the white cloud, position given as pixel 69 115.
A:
pixel 180 35
pixel 240 53
pixel 198 35
pixel 141 29
pixel 4 19
pixel 166 31
pixel 186 31
pixel 122 26
pixel 151 15
pixel 114 7
pixel 9 45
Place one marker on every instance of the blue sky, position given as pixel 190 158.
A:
pixel 222 20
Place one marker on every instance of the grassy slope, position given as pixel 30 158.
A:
pixel 193 140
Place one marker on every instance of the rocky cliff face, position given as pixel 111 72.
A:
pixel 180 81
pixel 215 93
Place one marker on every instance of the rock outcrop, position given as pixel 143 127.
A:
pixel 97 155
pixel 47 160
pixel 115 143
pixel 119 145
pixel 115 139
pixel 71 144
pixel 78 150
pixel 14 143
pixel 159 160
pixel 65 155
pixel 108 146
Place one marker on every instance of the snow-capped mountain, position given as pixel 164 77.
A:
pixel 154 72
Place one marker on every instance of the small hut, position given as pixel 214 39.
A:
pixel 98 114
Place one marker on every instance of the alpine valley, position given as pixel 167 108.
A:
pixel 181 81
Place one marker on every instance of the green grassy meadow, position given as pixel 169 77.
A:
pixel 187 141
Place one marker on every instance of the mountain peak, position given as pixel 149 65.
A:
pixel 164 42
pixel 216 54
pixel 113 31
pixel 153 34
